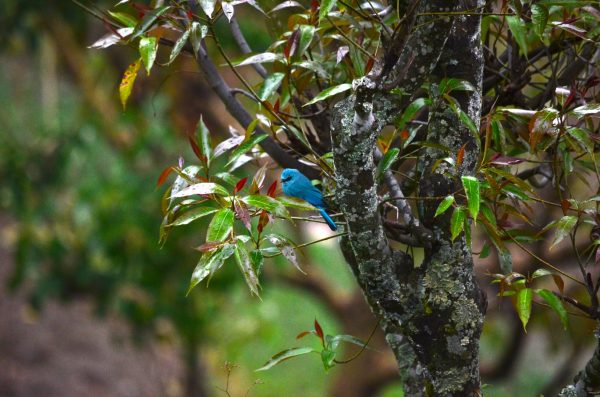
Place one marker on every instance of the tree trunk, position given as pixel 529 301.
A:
pixel 432 315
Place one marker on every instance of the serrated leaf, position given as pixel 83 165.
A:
pixel 148 48
pixel 127 81
pixel 192 215
pixel 539 17
pixel 285 355
pixel 268 204
pixel 179 45
pixel 471 186
pixel 444 205
pixel 556 304
pixel 563 227
pixel 221 225
pixel 201 189
pixel 517 28
pixel 386 162
pixel 329 92
pixel 325 7
pixel 208 6
pixel 246 146
pixel 270 85
pixel 148 21
pixel 243 260
pixel 524 300
pixel 457 222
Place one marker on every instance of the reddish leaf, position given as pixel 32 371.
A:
pixel 565 205
pixel 505 160
pixel 404 135
pixel 262 221
pixel 319 330
pixel 292 44
pixel 560 284
pixel 190 15
pixel 303 334
pixel 241 211
pixel 460 155
pixel 196 149
pixel 163 175
pixel 570 98
pixel 272 188
pixel 240 185
pixel 211 245
pixel 369 66
pixel 276 106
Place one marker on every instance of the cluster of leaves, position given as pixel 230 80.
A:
pixel 327 352
pixel 198 191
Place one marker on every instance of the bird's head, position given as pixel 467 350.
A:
pixel 289 175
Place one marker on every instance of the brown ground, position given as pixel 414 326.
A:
pixel 66 351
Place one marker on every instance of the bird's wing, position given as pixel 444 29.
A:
pixel 313 196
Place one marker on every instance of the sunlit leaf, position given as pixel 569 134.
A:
pixel 590 108
pixel 471 186
pixel 148 48
pixel 285 355
pixel 329 92
pixel 260 58
pixel 524 300
pixel 127 81
pixel 201 189
pixel 444 205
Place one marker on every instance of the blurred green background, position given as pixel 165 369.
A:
pixel 83 276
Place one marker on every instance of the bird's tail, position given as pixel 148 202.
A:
pixel 328 219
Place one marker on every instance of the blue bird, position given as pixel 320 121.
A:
pixel 295 184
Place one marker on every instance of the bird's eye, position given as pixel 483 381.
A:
pixel 286 179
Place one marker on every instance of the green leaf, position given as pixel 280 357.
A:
pixel 179 45
pixel 148 48
pixel 444 205
pixel 245 147
pixel 198 32
pixel 524 299
pixel 243 260
pixel 307 33
pixel 590 108
pixel 463 117
pixel 327 357
pixel 386 162
pixel 267 203
pixel 410 112
pixel 563 227
pixel 325 7
pixel 517 28
pixel 583 138
pixel 567 3
pixel 148 21
pixel 258 260
pixel 294 202
pixel 556 304
pixel 334 340
pixel 457 222
pixel 127 81
pixel 329 92
pixel 201 189
pixel 209 263
pixel 192 215
pixel 221 225
pixel 471 185
pixel 287 249
pixel 285 355
pixel 124 18
pixel 541 273
pixel 539 17
pixel 208 6
pixel 270 85
pixel 203 139
pixel 448 85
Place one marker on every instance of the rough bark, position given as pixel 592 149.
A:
pixel 432 315
pixel 587 382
